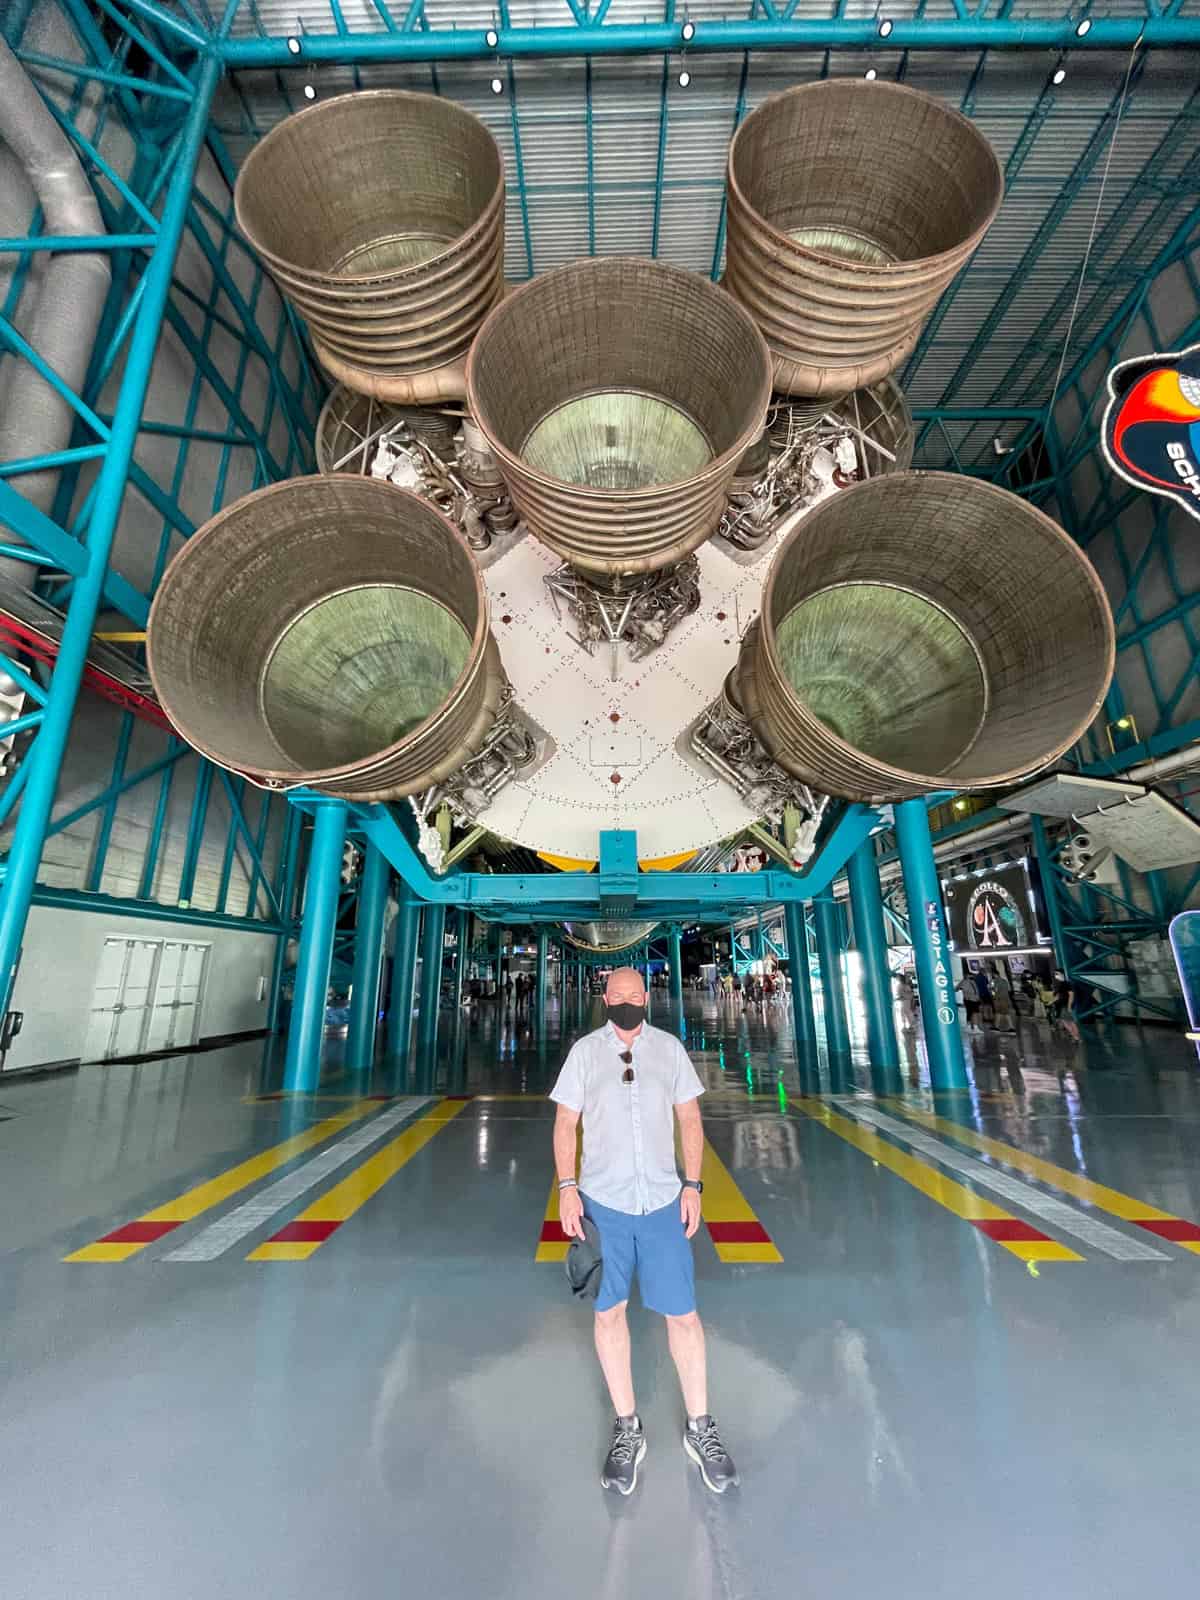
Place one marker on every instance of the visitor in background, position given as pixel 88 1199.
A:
pixel 1002 1001
pixel 987 1013
pixel 968 991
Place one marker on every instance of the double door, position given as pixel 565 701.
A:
pixel 148 996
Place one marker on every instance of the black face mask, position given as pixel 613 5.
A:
pixel 624 1014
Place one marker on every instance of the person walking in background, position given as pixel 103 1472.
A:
pixel 1002 997
pixel 632 1083
pixel 983 985
pixel 969 991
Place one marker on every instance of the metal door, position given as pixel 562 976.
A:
pixel 126 980
pixel 178 995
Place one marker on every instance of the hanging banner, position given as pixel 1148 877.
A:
pixel 1151 429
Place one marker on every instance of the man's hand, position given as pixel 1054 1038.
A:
pixel 570 1213
pixel 689 1210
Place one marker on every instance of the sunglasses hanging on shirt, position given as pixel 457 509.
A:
pixel 627 1058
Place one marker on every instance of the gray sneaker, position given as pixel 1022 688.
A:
pixel 625 1455
pixel 703 1445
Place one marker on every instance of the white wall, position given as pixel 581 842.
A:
pixel 60 958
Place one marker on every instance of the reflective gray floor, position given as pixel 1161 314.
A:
pixel 916 1410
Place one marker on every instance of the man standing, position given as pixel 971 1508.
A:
pixel 628 1080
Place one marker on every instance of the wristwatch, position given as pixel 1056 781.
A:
pixel 693 1183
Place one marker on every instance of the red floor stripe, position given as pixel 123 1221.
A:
pixel 304 1232
pixel 138 1233
pixel 1173 1228
pixel 1002 1228
pixel 738 1233
pixel 552 1233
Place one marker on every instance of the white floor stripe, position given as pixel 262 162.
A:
pixel 254 1213
pixel 1056 1213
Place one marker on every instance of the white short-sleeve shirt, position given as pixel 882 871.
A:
pixel 628 1128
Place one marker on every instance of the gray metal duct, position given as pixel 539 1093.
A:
pixel 924 631
pixel 34 419
pixel 851 205
pixel 380 215
pixel 607 937
pixel 328 631
pixel 619 395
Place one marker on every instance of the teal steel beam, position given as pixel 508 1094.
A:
pixel 462 933
pixel 104 833
pixel 829 961
pixel 804 1023
pixel 259 877
pixel 870 938
pixel 368 960
pixel 197 820
pixel 675 941
pixel 470 44
pixel 1050 222
pixel 243 827
pixel 931 950
pixel 154 842
pixel 543 959
pixel 739 111
pixel 110 905
pixel 433 943
pixel 230 853
pixel 285 891
pixel 306 1030
pixel 681 893
pixel 62 823
pixel 663 129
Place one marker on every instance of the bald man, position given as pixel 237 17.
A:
pixel 630 1083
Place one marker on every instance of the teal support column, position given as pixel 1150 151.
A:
pixel 462 932
pixel 404 971
pixel 368 961
pixel 433 939
pixel 804 1022
pixel 543 957
pixel 306 1033
pixel 939 1013
pixel 870 938
pixel 829 960
pixel 676 969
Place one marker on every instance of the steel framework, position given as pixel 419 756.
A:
pixel 187 84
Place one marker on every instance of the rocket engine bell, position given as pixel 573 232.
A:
pixel 608 937
pixel 924 631
pixel 380 214
pixel 333 632
pixel 618 396
pixel 851 205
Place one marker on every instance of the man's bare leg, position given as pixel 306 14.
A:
pixel 685 1335
pixel 612 1347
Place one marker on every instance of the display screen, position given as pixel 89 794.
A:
pixel 993 911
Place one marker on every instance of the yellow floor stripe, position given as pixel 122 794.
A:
pixel 345 1198
pixel 725 1202
pixel 551 1249
pixel 1097 1194
pixel 153 1225
pixel 962 1202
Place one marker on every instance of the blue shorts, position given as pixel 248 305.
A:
pixel 654 1246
